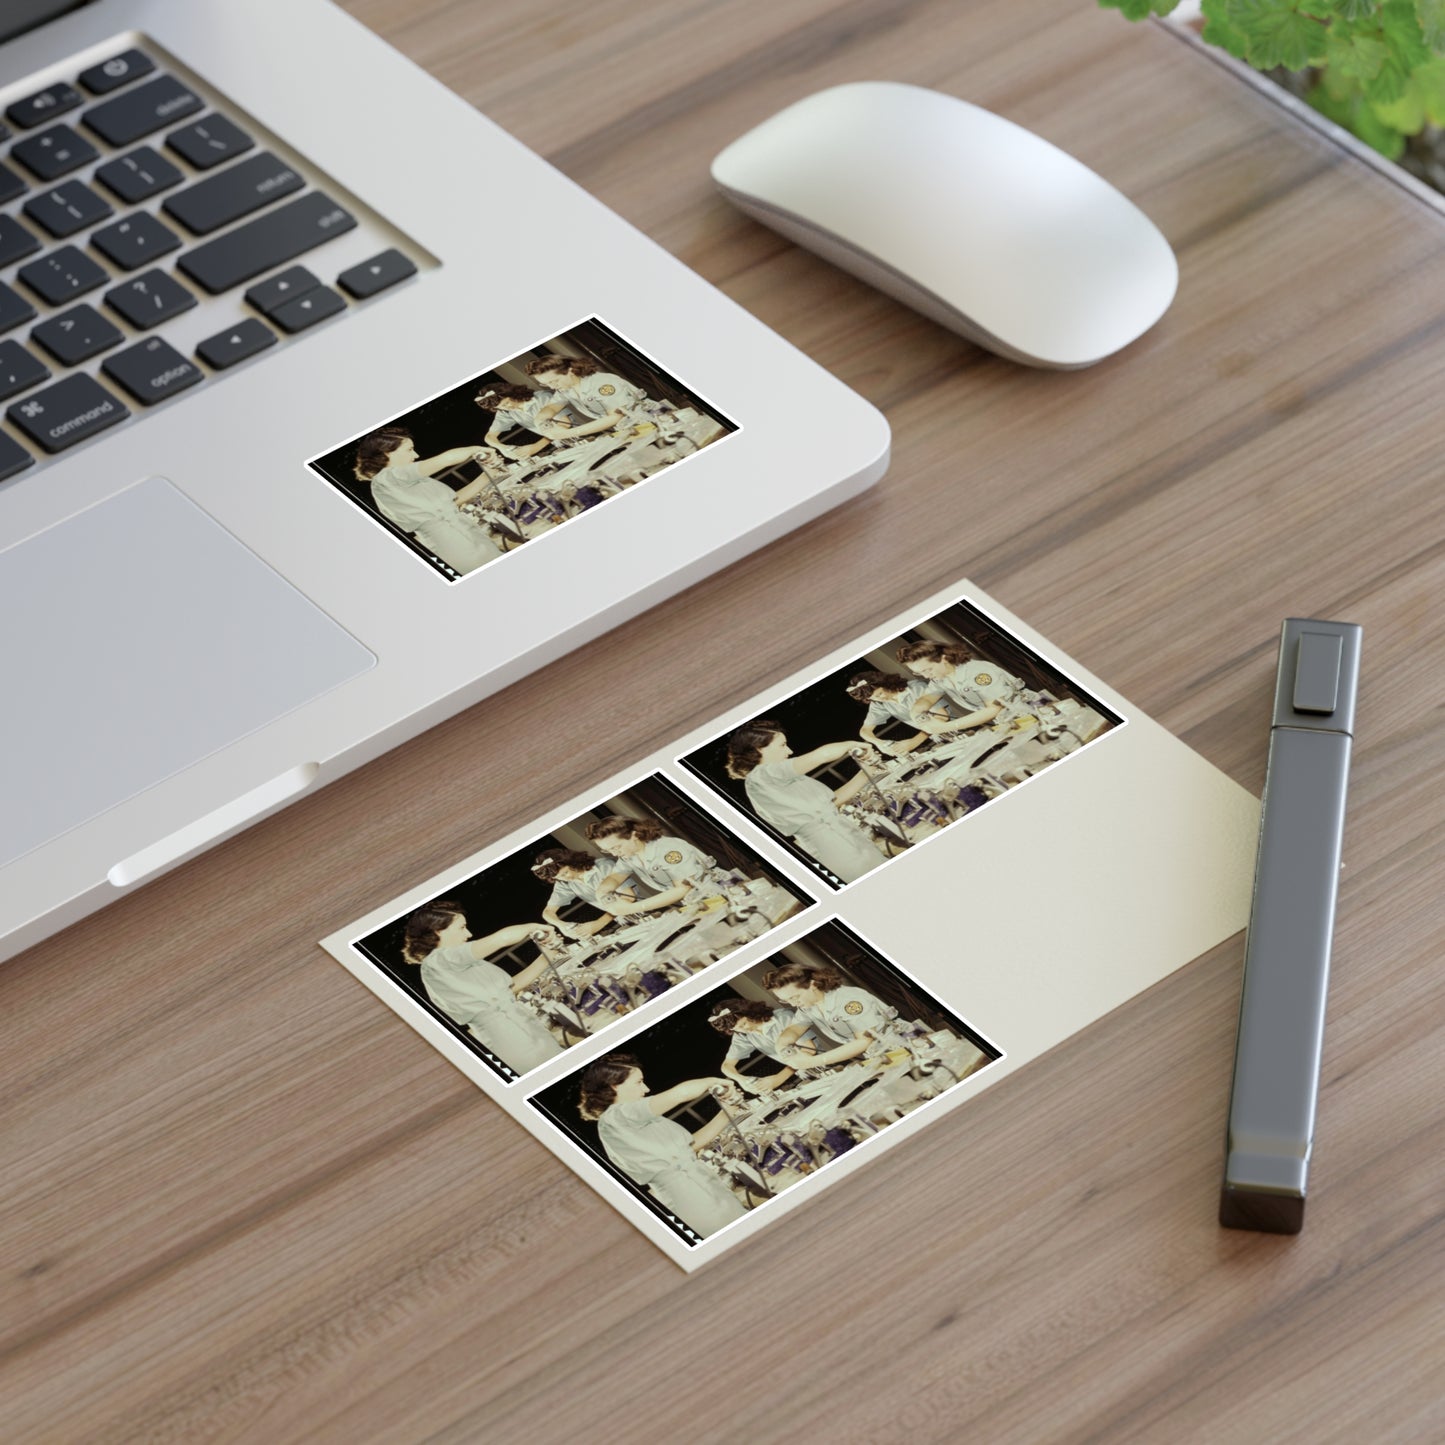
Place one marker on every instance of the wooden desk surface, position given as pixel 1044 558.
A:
pixel 243 1201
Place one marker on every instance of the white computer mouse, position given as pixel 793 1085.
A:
pixel 970 219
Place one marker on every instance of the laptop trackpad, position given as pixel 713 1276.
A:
pixel 136 639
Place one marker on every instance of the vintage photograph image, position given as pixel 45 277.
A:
pixel 746 1091
pixel 563 937
pixel 512 453
pixel 882 753
pixel 750 1089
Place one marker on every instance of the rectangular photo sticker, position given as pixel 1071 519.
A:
pixel 754 1089
pixel 517 450
pixel 900 743
pixel 586 924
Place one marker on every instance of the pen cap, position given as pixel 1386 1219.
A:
pixel 1319 669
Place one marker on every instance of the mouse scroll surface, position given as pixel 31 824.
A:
pixel 970 218
pixel 141 637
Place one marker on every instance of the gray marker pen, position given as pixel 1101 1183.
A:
pixel 1291 924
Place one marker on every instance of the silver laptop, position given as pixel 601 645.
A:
pixel 326 410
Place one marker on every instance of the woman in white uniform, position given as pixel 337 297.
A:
pixel 462 982
pixel 575 877
pixel 405 491
pixel 784 796
pixel 653 1151
pixel 602 395
pixel 674 866
pixel 889 697
pixel 513 405
pixel 754 1027
pixel 981 689
pixel 860 1021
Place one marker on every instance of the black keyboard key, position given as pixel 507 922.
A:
pixel 70 207
pixel 135 241
pixel 19 369
pixel 72 410
pixel 376 274
pixel 235 344
pixel 139 175
pixel 53 153
pixel 44 105
pixel 235 192
pixel 13 457
pixel 62 275
pixel 10 184
pixel 150 299
pixel 14 308
pixel 119 70
pixel 307 310
pixel 77 335
pixel 285 286
pixel 140 111
pixel 152 371
pixel 206 143
pixel 266 242
pixel 15 241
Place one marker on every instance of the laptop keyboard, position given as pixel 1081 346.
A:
pixel 128 200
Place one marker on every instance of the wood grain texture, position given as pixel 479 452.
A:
pixel 242 1201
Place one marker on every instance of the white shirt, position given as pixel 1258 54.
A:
pixel 979 683
pixel 463 986
pixel 666 862
pixel 791 801
pixel 847 1012
pixel 604 392
pixel 407 496
pixel 898 706
pixel 565 890
pixel 746 1042
pixel 643 1144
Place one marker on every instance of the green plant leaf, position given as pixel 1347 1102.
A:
pixel 1275 33
pixel 1402 33
pixel 1359 119
pixel 1377 134
pixel 1355 56
pixel 1428 81
pixel 1431 17
pixel 1219 29
pixel 1406 115
pixel 1140 9
pixel 1357 9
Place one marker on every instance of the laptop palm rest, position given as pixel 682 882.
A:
pixel 138 638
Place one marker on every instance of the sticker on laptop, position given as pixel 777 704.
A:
pixel 516 451
pixel 552 943
pixel 886 751
pixel 755 1088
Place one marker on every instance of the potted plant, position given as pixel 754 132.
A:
pixel 1376 68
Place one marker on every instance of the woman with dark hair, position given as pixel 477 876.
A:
pixel 653 1151
pixel 672 865
pixel 888 697
pixel 513 405
pixel 407 494
pixel 462 982
pixel 784 796
pixel 861 1021
pixel 754 1027
pixel 977 690
pixel 581 382
pixel 575 876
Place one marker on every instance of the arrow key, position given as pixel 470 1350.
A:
pixel 376 274
pixel 284 286
pixel 307 310
pixel 235 343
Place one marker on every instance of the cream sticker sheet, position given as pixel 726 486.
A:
pixel 716 983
